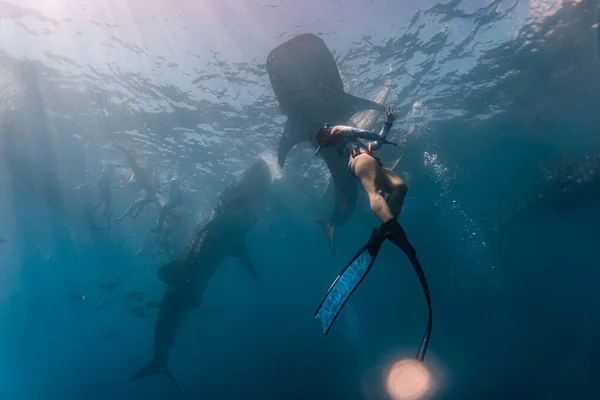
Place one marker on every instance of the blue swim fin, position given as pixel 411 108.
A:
pixel 348 280
pixel 353 274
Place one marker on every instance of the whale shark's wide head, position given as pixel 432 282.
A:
pixel 309 89
pixel 256 180
pixel 250 192
pixel 304 75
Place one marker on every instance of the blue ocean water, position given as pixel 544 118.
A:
pixel 497 101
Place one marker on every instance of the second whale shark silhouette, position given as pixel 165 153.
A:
pixel 569 186
pixel 237 211
pixel 310 92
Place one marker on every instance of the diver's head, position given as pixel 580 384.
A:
pixel 323 136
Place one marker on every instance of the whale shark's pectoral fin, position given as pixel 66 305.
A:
pixel 292 135
pixel 240 251
pixel 174 273
pixel 353 104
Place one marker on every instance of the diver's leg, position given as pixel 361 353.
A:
pixel 396 189
pixel 133 209
pixel 107 209
pixel 107 204
pixel 391 229
pixel 143 202
pixel 374 179
pixel 106 215
pixel 162 216
pixel 126 213
pixel 128 181
pixel 367 170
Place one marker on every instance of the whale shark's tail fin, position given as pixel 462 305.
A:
pixel 155 367
pixel 329 230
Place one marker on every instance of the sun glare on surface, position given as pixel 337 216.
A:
pixel 546 8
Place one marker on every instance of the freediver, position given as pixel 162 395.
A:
pixel 104 203
pixel 175 200
pixel 143 178
pixel 358 145
pixel 368 168
pixel 166 214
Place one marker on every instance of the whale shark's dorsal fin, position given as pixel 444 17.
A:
pixel 240 251
pixel 292 135
pixel 354 104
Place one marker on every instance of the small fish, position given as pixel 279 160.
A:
pixel 136 295
pixel 140 312
pixel 78 297
pixel 153 304
pixel 111 285
pixel 2 240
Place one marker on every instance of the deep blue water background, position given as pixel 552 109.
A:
pixel 514 303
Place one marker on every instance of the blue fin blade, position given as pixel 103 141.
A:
pixel 343 287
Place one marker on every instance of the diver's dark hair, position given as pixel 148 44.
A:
pixel 322 135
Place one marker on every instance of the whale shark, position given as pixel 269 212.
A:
pixel 569 187
pixel 310 92
pixel 237 211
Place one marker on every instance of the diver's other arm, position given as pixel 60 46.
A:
pixel 352 133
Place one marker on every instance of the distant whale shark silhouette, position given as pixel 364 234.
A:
pixel 569 187
pixel 310 92
pixel 235 214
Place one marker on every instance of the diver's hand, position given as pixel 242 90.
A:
pixel 390 116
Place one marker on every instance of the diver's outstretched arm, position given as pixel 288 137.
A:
pixel 390 117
